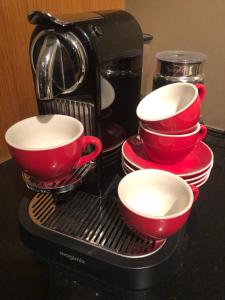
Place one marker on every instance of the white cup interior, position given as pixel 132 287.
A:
pixel 155 193
pixel 107 93
pixel 166 101
pixel 43 132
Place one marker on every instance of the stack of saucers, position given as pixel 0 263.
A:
pixel 194 169
pixel 170 137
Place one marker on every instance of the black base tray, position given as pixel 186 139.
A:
pixel 133 273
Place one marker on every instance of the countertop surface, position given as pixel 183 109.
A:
pixel 200 272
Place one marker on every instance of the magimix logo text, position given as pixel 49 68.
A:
pixel 72 257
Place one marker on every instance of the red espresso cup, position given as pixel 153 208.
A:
pixel 155 203
pixel 170 148
pixel 49 147
pixel 172 109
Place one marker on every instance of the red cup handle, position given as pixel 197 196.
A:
pixel 201 91
pixel 89 140
pixel 195 191
pixel 202 132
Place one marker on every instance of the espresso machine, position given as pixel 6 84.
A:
pixel 89 66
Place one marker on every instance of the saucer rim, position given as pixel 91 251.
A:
pixel 179 174
pixel 199 182
pixel 197 177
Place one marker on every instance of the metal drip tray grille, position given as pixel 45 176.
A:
pixel 93 220
pixel 83 111
pixel 62 185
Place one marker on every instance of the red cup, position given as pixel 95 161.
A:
pixel 172 109
pixel 155 203
pixel 170 148
pixel 49 147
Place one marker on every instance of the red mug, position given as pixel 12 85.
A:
pixel 49 147
pixel 172 109
pixel 155 203
pixel 170 148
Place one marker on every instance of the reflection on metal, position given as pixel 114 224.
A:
pixel 60 65
pixel 93 220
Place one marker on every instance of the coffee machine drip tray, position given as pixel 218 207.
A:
pixel 88 235
pixel 92 220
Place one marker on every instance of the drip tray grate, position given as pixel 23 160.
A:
pixel 62 185
pixel 93 220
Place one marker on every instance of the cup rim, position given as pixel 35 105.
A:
pixel 172 135
pixel 149 216
pixel 169 86
pixel 11 128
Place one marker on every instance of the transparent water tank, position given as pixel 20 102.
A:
pixel 178 66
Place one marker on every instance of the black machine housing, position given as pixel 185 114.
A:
pixel 89 66
pixel 112 43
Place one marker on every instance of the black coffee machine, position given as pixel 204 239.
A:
pixel 89 66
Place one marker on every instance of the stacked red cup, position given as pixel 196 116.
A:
pixel 169 121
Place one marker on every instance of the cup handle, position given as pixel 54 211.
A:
pixel 195 191
pixel 89 140
pixel 201 91
pixel 202 132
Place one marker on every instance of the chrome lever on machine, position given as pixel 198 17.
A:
pixel 45 66
pixel 61 64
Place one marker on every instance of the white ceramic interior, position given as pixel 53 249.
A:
pixel 43 132
pixel 166 101
pixel 155 193
pixel 107 93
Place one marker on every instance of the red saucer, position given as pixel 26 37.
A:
pixel 189 179
pixel 197 161
pixel 197 183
